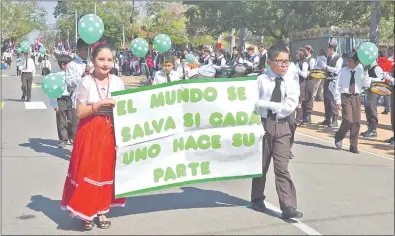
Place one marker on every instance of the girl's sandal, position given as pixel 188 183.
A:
pixel 103 224
pixel 88 225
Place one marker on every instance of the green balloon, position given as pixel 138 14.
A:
pixel 90 28
pixel 367 53
pixel 53 85
pixel 19 50
pixel 162 43
pixel 139 47
pixel 43 50
pixel 25 46
pixel 190 58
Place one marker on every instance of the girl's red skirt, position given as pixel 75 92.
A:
pixel 89 185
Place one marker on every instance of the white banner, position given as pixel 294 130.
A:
pixel 186 132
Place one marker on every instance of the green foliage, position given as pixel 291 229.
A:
pixel 276 19
pixel 21 18
pixel 114 14
pixel 165 19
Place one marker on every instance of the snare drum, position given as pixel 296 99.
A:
pixel 318 74
pixel 381 88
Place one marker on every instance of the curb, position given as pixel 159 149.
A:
pixel 380 126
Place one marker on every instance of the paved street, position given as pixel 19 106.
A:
pixel 338 192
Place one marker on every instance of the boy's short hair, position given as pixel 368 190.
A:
pixel 275 50
pixel 64 60
pixel 81 43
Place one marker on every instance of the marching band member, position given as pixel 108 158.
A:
pixel 349 84
pixel 376 73
pixel 252 59
pixel 333 66
pixel 391 79
pixel 307 106
pixel 262 56
pixel 278 99
pixel 306 94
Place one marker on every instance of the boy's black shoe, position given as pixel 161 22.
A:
pixel 290 212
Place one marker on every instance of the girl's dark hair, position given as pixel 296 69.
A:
pixel 98 47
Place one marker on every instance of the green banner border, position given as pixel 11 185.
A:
pixel 190 81
pixel 146 190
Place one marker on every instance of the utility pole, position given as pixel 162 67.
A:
pixel 132 20
pixel 76 27
pixel 233 40
pixel 375 22
pixel 123 36
pixel 95 9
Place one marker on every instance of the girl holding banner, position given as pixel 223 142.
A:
pixel 89 187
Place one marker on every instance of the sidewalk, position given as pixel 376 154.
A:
pixel 132 81
pixel 384 120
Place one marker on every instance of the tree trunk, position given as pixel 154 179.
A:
pixel 242 38
pixel 375 22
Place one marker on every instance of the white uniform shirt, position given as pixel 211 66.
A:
pixel 180 71
pixel 290 93
pixel 160 77
pixel 31 67
pixel 343 82
pixel 336 69
pixel 74 73
pixel 46 63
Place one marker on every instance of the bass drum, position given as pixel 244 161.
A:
pixel 381 88
pixel 225 72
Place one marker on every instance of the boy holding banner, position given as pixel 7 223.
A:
pixel 278 99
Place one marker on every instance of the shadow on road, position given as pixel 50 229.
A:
pixel 48 146
pixel 12 100
pixel 189 198
pixel 317 145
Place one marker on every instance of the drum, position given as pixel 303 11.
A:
pixel 381 88
pixel 318 74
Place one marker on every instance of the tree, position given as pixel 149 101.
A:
pixel 387 23
pixel 276 19
pixel 114 14
pixel 20 18
pixel 165 18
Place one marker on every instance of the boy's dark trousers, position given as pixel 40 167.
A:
pixel 27 80
pixel 63 118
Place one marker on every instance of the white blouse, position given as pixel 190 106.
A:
pixel 86 91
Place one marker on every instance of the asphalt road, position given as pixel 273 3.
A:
pixel 338 192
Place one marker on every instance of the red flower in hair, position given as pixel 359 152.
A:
pixel 97 44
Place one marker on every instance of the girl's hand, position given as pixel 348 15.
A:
pixel 108 102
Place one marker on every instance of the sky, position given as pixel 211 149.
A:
pixel 49 6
